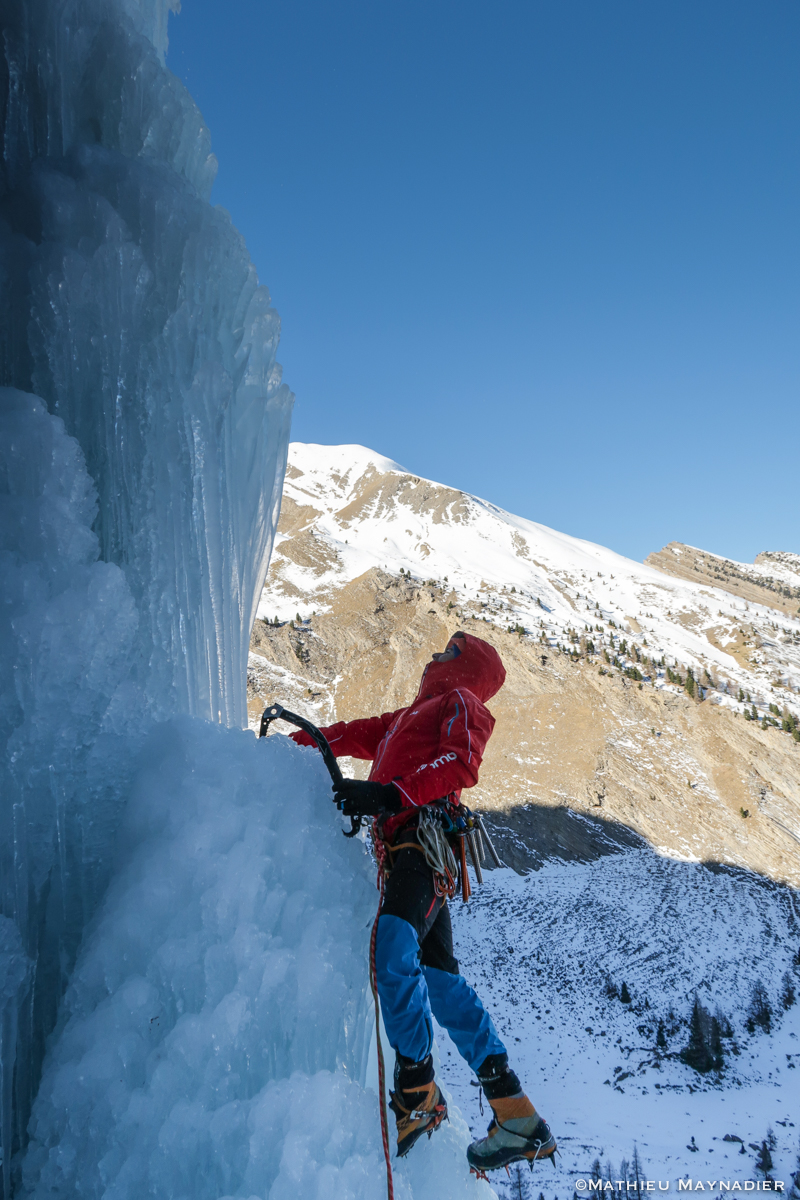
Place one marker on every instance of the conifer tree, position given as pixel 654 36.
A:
pixel 715 1044
pixel 624 994
pixel 764 1160
pixel 519 1182
pixel 661 1035
pixel 725 1027
pixel 788 995
pixel 760 1010
pixel 697 1053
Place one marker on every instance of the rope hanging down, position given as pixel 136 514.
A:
pixel 380 855
pixel 278 712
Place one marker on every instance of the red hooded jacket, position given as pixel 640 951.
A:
pixel 435 746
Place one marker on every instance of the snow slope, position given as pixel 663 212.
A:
pixel 542 949
pixel 773 579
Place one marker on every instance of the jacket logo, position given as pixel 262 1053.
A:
pixel 437 762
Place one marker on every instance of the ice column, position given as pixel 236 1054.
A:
pixel 130 305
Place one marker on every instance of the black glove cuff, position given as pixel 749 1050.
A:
pixel 393 800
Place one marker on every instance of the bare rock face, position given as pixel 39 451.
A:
pixel 598 742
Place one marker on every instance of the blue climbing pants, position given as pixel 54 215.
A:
pixel 418 976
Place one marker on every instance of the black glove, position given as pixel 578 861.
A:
pixel 364 798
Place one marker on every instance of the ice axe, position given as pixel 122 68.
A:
pixel 276 712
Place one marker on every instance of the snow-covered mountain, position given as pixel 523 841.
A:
pixel 360 510
pixel 595 719
pixel 591 755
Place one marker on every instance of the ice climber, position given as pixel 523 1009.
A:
pixel 422 756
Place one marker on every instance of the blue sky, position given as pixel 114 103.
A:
pixel 546 252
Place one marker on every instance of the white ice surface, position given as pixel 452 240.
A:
pixel 68 626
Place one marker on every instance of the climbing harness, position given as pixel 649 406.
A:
pixel 440 825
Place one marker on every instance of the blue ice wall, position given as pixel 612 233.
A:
pixel 143 437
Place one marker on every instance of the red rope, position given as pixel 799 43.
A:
pixel 380 854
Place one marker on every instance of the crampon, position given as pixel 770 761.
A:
pixel 504 1144
pixel 413 1122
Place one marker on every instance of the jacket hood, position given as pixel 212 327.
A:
pixel 478 668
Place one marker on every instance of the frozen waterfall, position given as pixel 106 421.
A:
pixel 183 1008
pixel 143 435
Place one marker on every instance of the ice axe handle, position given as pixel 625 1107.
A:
pixel 277 712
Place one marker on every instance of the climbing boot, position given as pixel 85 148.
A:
pixel 416 1102
pixel 516 1131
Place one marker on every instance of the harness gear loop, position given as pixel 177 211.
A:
pixel 438 854
pixel 379 848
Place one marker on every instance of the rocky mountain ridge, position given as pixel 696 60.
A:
pixel 772 579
